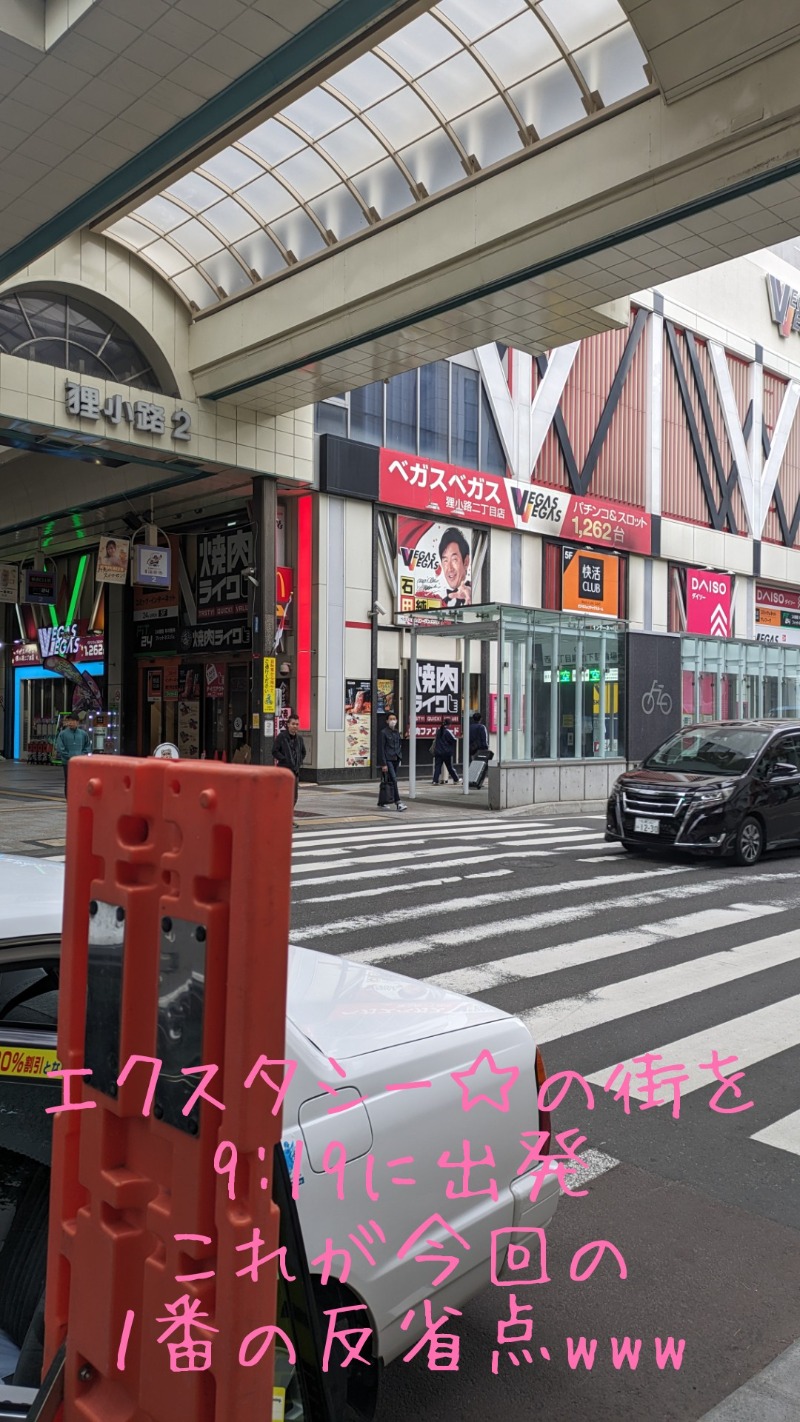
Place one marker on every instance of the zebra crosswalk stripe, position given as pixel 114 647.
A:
pixel 752 1038
pixel 542 961
pixel 633 995
pixel 469 904
pixel 783 1134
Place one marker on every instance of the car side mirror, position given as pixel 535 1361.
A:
pixel 784 770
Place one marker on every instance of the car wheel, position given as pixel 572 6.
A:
pixel 749 843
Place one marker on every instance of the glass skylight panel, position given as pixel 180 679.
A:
pixel 231 219
pixel 579 21
pixel 551 100
pixel 457 85
pixel 316 113
pixel 166 256
pixel 197 192
pixel 403 117
pixel 489 132
pixel 128 230
pixel 285 176
pixel 163 214
pixel 268 197
pixel 308 173
pixel 366 81
pixel 297 232
pixel 339 212
pixel 272 141
pixel 421 44
pixel 196 239
pixel 613 65
pixel 475 17
pixel 434 162
pixel 384 187
pixel 353 147
pixel 261 254
pixel 227 272
pixel 518 49
pixel 232 168
pixel 195 288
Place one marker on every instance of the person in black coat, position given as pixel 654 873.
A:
pixel 444 748
pixel 390 754
pixel 478 739
pixel 289 751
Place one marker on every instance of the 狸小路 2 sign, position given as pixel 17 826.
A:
pixel 446 492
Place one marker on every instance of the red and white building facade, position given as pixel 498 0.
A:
pixel 664 457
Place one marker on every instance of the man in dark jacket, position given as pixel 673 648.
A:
pixel 478 739
pixel 390 753
pixel 289 751
pixel 444 748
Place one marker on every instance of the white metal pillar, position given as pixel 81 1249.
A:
pixel 412 717
pixel 528 746
pixel 554 695
pixel 465 726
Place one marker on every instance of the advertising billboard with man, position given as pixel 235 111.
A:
pixel 434 565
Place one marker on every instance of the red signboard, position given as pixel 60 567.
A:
pixel 777 597
pixel 449 492
pixel 27 654
pixel 708 603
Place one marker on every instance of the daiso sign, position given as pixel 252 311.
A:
pixel 708 602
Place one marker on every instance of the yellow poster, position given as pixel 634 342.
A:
pixel 268 706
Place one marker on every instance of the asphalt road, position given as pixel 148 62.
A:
pixel 606 956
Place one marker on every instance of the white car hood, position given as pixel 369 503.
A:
pixel 349 1009
pixel 31 897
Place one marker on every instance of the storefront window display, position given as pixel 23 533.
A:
pixel 558 677
pixel 577 708
pixel 725 680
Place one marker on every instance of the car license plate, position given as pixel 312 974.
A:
pixel 646 826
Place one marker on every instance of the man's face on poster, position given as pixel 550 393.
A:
pixel 454 566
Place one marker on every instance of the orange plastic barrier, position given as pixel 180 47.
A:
pixel 176 923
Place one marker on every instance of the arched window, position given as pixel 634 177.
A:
pixel 58 330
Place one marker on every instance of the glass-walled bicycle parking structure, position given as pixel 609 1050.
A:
pixel 556 679
pixel 738 680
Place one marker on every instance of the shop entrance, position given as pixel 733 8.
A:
pixel 42 698
pixel 199 706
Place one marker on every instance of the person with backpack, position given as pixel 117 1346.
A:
pixel 390 754
pixel 444 748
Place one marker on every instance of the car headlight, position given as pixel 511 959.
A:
pixel 713 797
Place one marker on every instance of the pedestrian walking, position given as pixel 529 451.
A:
pixel 390 754
pixel 289 751
pixel 444 748
pixel 71 740
pixel 478 738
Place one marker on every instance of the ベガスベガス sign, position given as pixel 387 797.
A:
pixel 449 492
pixel 784 305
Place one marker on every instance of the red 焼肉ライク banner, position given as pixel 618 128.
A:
pixel 446 492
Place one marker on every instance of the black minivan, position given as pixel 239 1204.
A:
pixel 723 787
